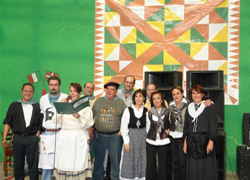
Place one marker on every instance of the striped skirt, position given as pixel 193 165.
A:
pixel 133 163
pixel 75 175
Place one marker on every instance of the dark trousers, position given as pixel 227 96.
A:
pixel 25 146
pixel 151 170
pixel 179 158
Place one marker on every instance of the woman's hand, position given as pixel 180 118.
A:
pixel 126 146
pixel 4 143
pixel 208 102
pixel 185 146
pixel 167 131
pixel 76 115
pixel 210 146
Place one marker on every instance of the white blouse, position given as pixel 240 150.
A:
pixel 125 122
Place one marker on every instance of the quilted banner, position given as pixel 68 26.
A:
pixel 134 36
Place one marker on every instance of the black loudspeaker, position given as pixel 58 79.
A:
pixel 246 128
pixel 220 150
pixel 164 81
pixel 243 161
pixel 207 79
pixel 212 82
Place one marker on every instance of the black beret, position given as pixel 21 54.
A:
pixel 112 84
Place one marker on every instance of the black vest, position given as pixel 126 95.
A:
pixel 135 122
pixel 153 127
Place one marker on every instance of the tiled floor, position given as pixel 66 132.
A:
pixel 229 175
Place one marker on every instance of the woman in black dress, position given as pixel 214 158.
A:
pixel 200 132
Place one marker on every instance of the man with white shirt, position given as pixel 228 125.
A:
pixel 25 120
pixel 127 91
pixel 47 150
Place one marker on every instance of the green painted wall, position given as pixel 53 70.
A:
pixel 58 36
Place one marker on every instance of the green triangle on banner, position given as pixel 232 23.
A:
pixel 171 67
pixel 141 38
pixel 223 12
pixel 221 47
pixel 169 25
pixel 109 38
pixel 225 79
pixel 167 1
pixel 131 49
pixel 108 9
pixel 128 1
pixel 184 47
pixel 196 36
pixel 157 59
pixel 108 71
pixel 158 15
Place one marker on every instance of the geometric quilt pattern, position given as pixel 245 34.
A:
pixel 134 36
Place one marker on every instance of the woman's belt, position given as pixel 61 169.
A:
pixel 53 130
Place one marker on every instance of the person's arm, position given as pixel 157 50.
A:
pixel 5 132
pixel 85 116
pixel 213 125
pixel 185 146
pixel 124 128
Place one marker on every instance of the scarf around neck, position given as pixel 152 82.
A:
pixel 177 110
pixel 32 101
pixel 160 123
pixel 53 99
pixel 195 113
pixel 127 92
pixel 116 97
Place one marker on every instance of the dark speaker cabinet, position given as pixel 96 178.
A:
pixel 164 81
pixel 246 128
pixel 220 150
pixel 207 79
pixel 212 82
pixel 243 161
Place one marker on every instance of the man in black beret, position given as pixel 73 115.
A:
pixel 107 112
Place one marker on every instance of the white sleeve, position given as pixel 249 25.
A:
pixel 86 117
pixel 147 122
pixel 57 118
pixel 124 126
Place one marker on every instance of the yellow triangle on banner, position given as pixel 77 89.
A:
pixel 222 36
pixel 169 60
pixel 106 79
pixel 131 37
pixel 154 67
pixel 157 25
pixel 224 4
pixel 203 1
pixel 224 68
pixel 196 47
pixel 122 2
pixel 142 47
pixel 185 38
pixel 171 16
pixel 108 48
pixel 161 1
pixel 109 16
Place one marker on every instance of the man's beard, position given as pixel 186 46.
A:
pixel 53 92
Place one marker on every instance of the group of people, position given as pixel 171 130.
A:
pixel 135 129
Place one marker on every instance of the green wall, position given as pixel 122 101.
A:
pixel 58 36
